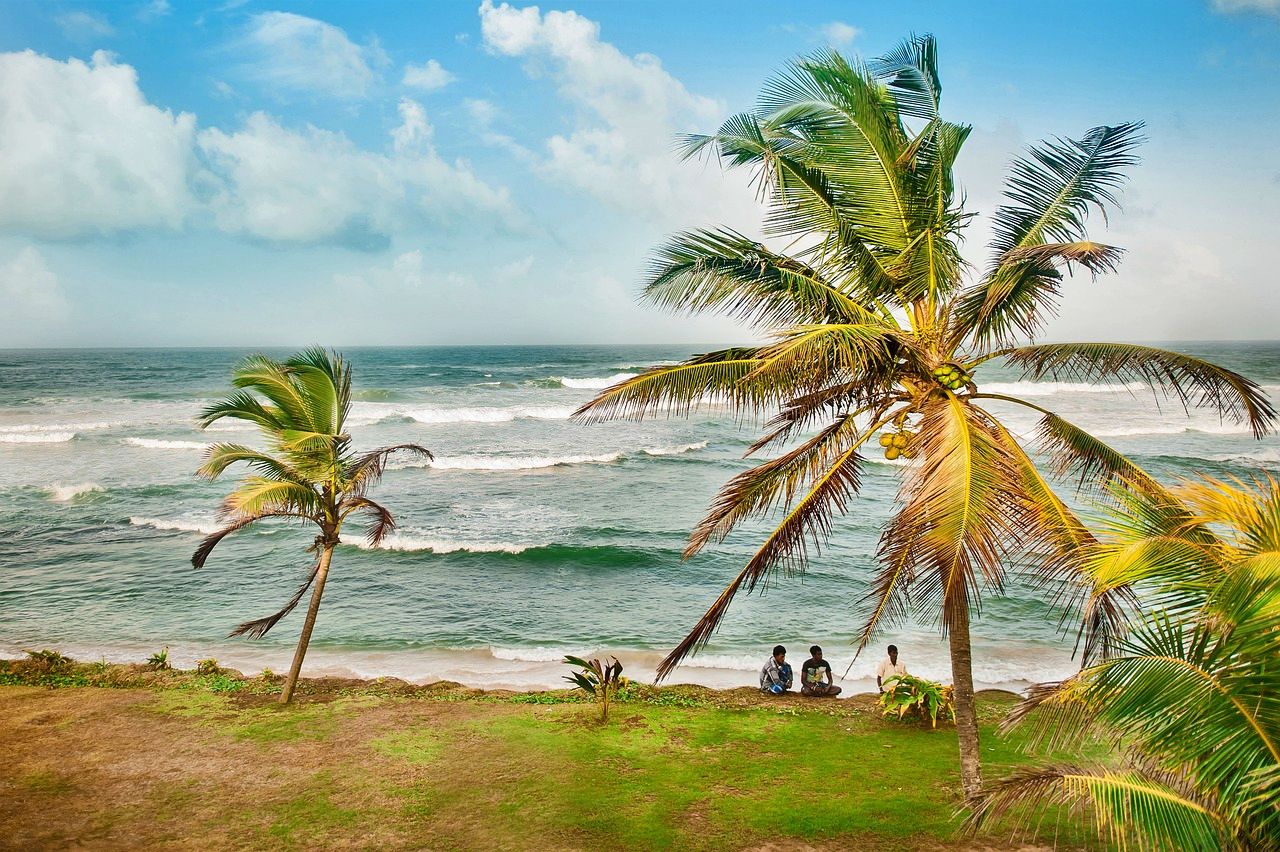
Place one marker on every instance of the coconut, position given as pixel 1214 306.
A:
pixel 886 439
pixel 900 441
pixel 892 453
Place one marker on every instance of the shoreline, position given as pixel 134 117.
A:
pixel 519 670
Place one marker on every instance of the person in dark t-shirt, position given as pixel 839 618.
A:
pixel 815 676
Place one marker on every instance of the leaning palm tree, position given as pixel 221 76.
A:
pixel 876 326
pixel 1194 690
pixel 309 472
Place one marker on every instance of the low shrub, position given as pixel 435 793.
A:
pixel 910 697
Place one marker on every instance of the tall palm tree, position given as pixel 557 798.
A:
pixel 875 324
pixel 1194 690
pixel 309 472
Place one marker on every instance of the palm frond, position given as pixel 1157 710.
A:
pixel 259 627
pixel 364 471
pixel 1192 381
pixel 219 457
pixel 805 524
pixel 1074 452
pixel 962 511
pixel 725 271
pixel 713 378
pixel 761 488
pixel 1049 194
pixel 910 71
pixel 256 495
pixel 381 521
pixel 212 540
pixel 1129 807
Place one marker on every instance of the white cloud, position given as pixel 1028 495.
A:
pixel 629 110
pixel 84 151
pixel 428 77
pixel 152 10
pixel 839 33
pixel 482 112
pixel 294 54
pixel 87 155
pixel 315 185
pixel 32 297
pixel 1265 7
pixel 84 26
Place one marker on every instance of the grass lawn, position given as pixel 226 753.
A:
pixel 179 760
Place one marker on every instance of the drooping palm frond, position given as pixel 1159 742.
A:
pixel 804 525
pixel 713 378
pixel 382 523
pixel 724 271
pixel 1192 381
pixel 212 540
pixel 775 482
pixel 364 471
pixel 1049 194
pixel 961 511
pixel 1129 808
pixel 259 627
pixel 1074 452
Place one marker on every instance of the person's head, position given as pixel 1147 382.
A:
pixel 816 652
pixel 893 654
pixel 779 653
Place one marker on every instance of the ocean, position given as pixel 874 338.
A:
pixel 530 536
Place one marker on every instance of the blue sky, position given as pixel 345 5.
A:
pixel 254 173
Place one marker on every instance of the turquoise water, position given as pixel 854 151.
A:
pixel 530 536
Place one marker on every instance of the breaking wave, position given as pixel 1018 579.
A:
pixel 593 382
pixel 1052 388
pixel 67 493
pixel 165 444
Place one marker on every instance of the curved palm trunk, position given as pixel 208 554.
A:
pixel 966 710
pixel 322 573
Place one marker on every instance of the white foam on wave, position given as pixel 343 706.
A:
pixel 36 437
pixel 177 524
pixel 674 449
pixel 165 444
pixel 67 493
pixel 374 412
pixel 495 463
pixel 594 382
pixel 536 655
pixel 399 541
pixel 23 428
pixel 1052 388
pixel 1204 429
pixel 516 462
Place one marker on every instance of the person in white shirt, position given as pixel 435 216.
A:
pixel 889 667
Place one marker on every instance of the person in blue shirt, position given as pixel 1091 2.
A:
pixel 775 677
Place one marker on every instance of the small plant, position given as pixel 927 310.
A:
pixel 267 675
pixel 49 660
pixel 159 661
pixel 208 667
pixel 599 680
pixel 914 697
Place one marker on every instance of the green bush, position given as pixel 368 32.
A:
pixel 910 697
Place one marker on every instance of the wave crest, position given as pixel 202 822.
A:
pixel 165 444
pixel 67 493
pixel 193 525
pixel 398 541
pixel 1052 388
pixel 593 382
pixel 36 437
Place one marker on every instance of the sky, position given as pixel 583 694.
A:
pixel 258 172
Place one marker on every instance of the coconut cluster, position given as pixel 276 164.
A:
pixel 897 444
pixel 951 377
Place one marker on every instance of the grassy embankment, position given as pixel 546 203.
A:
pixel 105 756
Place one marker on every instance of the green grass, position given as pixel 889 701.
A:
pixel 378 766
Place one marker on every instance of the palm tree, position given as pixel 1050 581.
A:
pixel 875 324
pixel 309 473
pixel 1194 690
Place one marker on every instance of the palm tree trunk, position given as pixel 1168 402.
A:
pixel 322 573
pixel 966 710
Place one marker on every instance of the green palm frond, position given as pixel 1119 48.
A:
pixel 1192 381
pixel 724 271
pixel 910 71
pixel 961 510
pixel 1050 192
pixel 220 456
pixel 1129 808
pixel 710 379
pixel 1074 452
pixel 786 548
pixel 212 540
pixel 240 405
pixel 760 489
pixel 257 494
pixel 364 471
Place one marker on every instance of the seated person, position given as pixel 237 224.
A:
pixel 815 676
pixel 889 668
pixel 775 677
